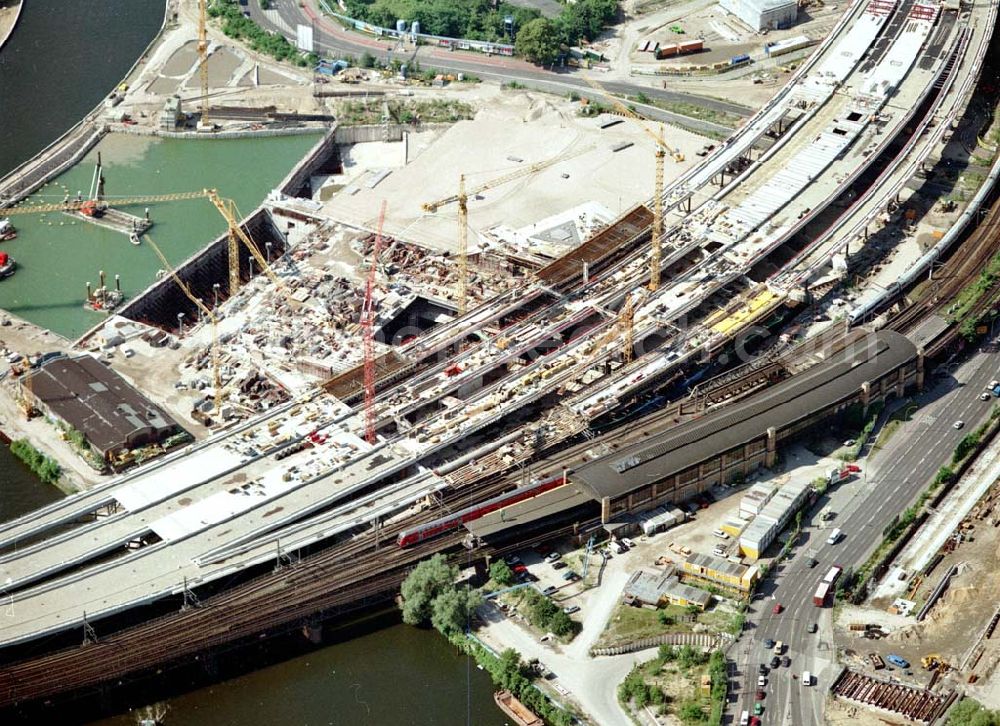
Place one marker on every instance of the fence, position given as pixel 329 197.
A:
pixel 704 640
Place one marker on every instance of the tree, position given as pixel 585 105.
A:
pixel 538 41
pixel 428 580
pixel 561 624
pixel 968 712
pixel 501 573
pixel 451 610
pixel 509 669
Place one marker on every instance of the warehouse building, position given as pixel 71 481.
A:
pixel 646 589
pixel 763 14
pixel 727 444
pixel 82 393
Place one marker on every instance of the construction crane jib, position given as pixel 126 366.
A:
pixel 206 311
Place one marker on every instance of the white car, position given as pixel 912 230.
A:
pixel 761 681
pixel 627 542
pixel 720 534
pixel 984 396
pixel 958 424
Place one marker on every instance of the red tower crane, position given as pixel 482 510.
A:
pixel 368 328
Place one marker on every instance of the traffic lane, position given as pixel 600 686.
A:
pixel 329 37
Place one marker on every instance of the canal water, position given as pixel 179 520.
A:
pixel 58 254
pixel 63 58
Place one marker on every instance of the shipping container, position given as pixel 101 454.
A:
pixel 666 51
pixel 738 59
pixel 690 46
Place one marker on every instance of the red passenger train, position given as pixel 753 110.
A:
pixel 453 521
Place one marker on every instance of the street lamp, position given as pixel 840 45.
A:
pixel 180 324
pixel 267 245
pixel 215 289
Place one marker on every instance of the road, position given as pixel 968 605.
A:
pixel 329 37
pixel 890 483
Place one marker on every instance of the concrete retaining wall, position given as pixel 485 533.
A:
pixel 704 640
pixel 367 134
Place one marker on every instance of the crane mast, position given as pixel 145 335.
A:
pixel 463 246
pixel 368 330
pixel 657 240
pixel 203 58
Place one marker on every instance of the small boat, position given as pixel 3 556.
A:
pixel 7 265
pixel 134 239
pixel 7 231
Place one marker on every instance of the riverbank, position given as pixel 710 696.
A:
pixel 10 13
pixel 21 336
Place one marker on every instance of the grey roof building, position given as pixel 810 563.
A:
pixel 85 394
pixel 658 590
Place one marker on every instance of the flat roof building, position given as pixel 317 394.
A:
pixel 717 571
pixel 83 394
pixel 648 589
pixel 763 14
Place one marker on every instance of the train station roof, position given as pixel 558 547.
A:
pixel 698 440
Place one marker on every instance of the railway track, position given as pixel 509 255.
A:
pixel 961 270
pixel 913 703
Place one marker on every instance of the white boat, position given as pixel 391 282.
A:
pixel 134 239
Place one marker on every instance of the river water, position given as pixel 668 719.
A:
pixel 64 56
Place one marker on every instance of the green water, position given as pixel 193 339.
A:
pixel 57 255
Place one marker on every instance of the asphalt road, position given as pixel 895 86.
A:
pixel 330 37
pixel 864 506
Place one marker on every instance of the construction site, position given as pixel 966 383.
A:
pixel 536 317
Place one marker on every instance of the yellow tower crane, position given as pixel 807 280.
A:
pixel 656 242
pixel 463 247
pixel 626 318
pixel 661 148
pixel 203 57
pixel 463 211
pixel 509 177
pixel 216 374
pixel 226 207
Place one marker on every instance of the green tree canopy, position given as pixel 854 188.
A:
pixel 451 610
pixel 501 573
pixel 428 580
pixel 539 41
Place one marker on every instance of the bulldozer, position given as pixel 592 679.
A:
pixel 934 661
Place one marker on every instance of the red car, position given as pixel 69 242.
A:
pixel 519 569
pixel 760 695
pixel 754 721
pixel 777 608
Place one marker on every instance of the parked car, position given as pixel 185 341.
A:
pixel 813 627
pixel 762 668
pixel 558 565
pixel 720 534
pixel 786 661
pixel 958 424
pixel 758 709
pixel 571 609
pixel 768 643
pixel 519 568
pixel 777 608
pixel 552 557
pixel 569 576
pixel 761 681
pixel 627 542
pixel 761 694
pixel 550 590
pixel 775 662
pixel 512 560
pixel 897 661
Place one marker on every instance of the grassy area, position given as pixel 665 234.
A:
pixel 969 296
pixel 691 110
pixel 896 420
pixel 671 684
pixel 356 113
pixel 628 624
